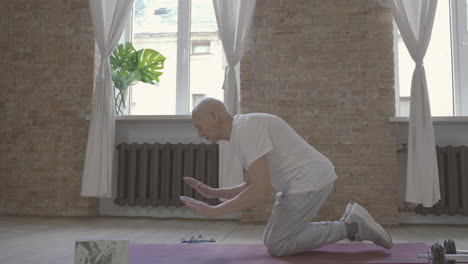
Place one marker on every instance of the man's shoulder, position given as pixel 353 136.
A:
pixel 257 116
pixel 256 120
pixel 251 122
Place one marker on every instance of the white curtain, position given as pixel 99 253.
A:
pixel 234 18
pixel 109 18
pixel 415 19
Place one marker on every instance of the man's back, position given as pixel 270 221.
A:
pixel 294 165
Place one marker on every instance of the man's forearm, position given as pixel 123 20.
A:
pixel 231 192
pixel 248 198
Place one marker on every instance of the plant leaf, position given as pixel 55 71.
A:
pixel 123 58
pixel 149 65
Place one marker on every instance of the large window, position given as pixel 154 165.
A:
pixel 446 59
pixel 186 33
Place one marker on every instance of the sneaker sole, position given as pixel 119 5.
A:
pixel 364 214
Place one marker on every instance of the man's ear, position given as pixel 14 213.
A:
pixel 213 116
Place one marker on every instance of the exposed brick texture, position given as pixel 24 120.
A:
pixel 326 67
pixel 47 49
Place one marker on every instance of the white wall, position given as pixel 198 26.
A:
pixel 153 131
pixel 445 134
pixel 171 131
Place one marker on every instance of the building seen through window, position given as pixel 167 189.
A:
pixel 163 26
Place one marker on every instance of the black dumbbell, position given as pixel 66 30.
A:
pixel 446 254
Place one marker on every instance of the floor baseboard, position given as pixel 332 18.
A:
pixel 414 218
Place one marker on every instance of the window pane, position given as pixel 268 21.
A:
pixel 155 27
pixel 196 98
pixel 201 48
pixel 437 63
pixel 207 61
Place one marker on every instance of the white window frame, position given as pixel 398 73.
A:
pixel 459 46
pixel 183 55
pixel 396 67
pixel 127 36
pixel 458 16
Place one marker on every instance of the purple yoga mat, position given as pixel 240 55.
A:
pixel 257 254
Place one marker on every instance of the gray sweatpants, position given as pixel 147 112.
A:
pixel 289 231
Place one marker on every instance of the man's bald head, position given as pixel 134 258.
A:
pixel 212 120
pixel 207 107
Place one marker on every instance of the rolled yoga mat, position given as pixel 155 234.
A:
pixel 356 253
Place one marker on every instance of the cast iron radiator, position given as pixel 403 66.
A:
pixel 453 180
pixel 151 174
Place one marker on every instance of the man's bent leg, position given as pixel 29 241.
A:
pixel 289 230
pixel 317 235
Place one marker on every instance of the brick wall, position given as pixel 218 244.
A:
pixel 46 86
pixel 326 67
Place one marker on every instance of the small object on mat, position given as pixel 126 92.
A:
pixel 199 239
pixel 99 251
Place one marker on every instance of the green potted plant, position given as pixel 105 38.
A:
pixel 130 66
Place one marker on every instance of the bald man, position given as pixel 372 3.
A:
pixel 273 154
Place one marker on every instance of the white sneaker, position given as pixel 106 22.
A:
pixel 346 212
pixel 368 228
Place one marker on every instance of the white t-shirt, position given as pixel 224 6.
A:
pixel 294 165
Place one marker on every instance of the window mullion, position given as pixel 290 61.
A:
pixel 183 59
pixel 460 56
pixel 456 22
pixel 128 35
pixel 396 69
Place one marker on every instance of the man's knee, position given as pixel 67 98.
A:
pixel 277 248
pixel 279 252
pixel 270 245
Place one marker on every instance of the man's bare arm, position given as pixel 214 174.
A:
pixel 256 189
pixel 208 192
pixel 231 192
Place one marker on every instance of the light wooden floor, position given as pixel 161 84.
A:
pixel 51 240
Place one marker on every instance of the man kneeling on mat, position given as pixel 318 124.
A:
pixel 273 154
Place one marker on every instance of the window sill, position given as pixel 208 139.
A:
pixel 155 118
pixel 435 119
pixel 163 118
